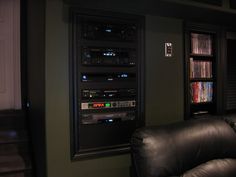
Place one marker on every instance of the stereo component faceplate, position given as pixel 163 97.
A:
pixel 98 30
pixel 108 93
pixel 108 105
pixel 94 118
pixel 107 77
pixel 107 56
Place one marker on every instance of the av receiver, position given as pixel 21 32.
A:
pixel 95 118
pixel 98 30
pixel 107 56
pixel 108 93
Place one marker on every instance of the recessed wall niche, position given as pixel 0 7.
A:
pixel 106 76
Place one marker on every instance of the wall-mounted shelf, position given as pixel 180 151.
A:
pixel 200 68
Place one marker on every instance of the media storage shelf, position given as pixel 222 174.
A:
pixel 200 79
pixel 106 71
pixel 200 55
pixel 202 103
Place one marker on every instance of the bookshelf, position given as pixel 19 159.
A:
pixel 200 70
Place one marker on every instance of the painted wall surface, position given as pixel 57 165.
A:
pixel 164 76
pixel 164 92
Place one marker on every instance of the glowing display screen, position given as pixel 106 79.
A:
pixel 100 105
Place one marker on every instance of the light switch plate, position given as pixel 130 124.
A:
pixel 168 49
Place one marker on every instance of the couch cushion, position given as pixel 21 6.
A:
pixel 231 120
pixel 171 150
pixel 214 168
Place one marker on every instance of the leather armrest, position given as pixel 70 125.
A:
pixel 231 120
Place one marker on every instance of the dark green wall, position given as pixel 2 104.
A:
pixel 164 76
pixel 164 92
pixel 34 42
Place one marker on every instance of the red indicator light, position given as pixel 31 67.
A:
pixel 98 105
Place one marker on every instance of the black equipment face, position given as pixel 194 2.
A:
pixel 107 77
pixel 100 30
pixel 107 56
pixel 108 93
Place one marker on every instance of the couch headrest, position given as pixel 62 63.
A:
pixel 173 149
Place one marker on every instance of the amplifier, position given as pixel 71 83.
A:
pixel 107 77
pixel 94 118
pixel 96 56
pixel 108 105
pixel 108 93
pixel 100 30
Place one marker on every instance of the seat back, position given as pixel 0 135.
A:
pixel 173 150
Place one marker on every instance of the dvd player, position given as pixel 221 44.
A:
pixel 94 118
pixel 107 77
pixel 108 93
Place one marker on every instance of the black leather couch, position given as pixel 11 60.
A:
pixel 195 148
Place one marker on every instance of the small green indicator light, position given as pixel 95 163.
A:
pixel 108 105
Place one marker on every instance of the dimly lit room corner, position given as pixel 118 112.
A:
pixel 105 88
